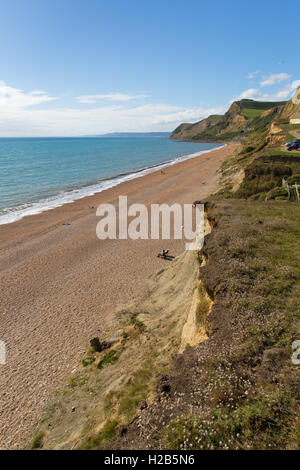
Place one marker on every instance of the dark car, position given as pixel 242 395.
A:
pixel 294 146
pixel 297 141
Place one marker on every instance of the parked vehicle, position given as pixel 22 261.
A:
pixel 288 144
pixel 295 146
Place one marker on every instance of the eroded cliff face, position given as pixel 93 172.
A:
pixel 232 120
pixel 188 131
pixel 241 119
pixel 291 107
pixel 244 118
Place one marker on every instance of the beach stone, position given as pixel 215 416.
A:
pixel 100 345
pixel 95 343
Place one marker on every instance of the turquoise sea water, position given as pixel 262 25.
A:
pixel 42 173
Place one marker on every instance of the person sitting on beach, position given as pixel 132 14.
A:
pixel 163 254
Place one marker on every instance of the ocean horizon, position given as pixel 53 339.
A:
pixel 38 174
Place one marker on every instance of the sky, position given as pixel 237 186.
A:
pixel 86 67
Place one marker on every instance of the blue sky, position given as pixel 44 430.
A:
pixel 74 67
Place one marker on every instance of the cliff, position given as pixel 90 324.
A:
pixel 291 107
pixel 238 121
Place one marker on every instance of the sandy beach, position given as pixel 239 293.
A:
pixel 59 284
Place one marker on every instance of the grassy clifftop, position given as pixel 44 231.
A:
pixel 238 121
pixel 253 123
pixel 257 170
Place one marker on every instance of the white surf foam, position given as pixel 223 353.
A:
pixel 66 197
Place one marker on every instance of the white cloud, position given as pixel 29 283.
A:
pixel 282 94
pixel 38 92
pixel 287 91
pixel 275 78
pixel 187 115
pixel 13 98
pixel 19 116
pixel 121 97
pixel 253 74
pixel 250 94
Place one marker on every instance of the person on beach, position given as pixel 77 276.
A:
pixel 163 254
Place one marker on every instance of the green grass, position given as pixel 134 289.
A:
pixel 203 306
pixel 133 320
pixel 251 113
pixel 88 361
pixel 37 442
pixel 109 358
pixel 283 153
pixel 291 127
pixel 259 125
pixel 259 424
pixel 127 402
pixel 136 391
pixel 262 105
pixel 214 117
pixel 261 177
pixel 108 432
pixel 78 381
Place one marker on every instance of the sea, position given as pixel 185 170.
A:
pixel 38 174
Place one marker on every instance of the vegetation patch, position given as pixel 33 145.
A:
pixel 88 361
pixel 107 433
pixel 262 423
pixel 133 320
pixel 251 113
pixel 214 117
pixel 37 442
pixel 261 177
pixel 109 358
pixel 203 306
pixel 136 391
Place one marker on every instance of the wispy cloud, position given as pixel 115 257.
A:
pixel 13 98
pixel 19 116
pixel 282 94
pixel 253 74
pixel 275 78
pixel 250 94
pixel 288 90
pixel 117 97
pixel 187 115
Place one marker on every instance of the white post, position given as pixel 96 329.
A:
pixel 285 183
pixel 297 191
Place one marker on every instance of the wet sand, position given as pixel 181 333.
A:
pixel 60 283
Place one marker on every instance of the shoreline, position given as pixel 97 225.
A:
pixel 221 142
pixel 60 284
pixel 91 188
